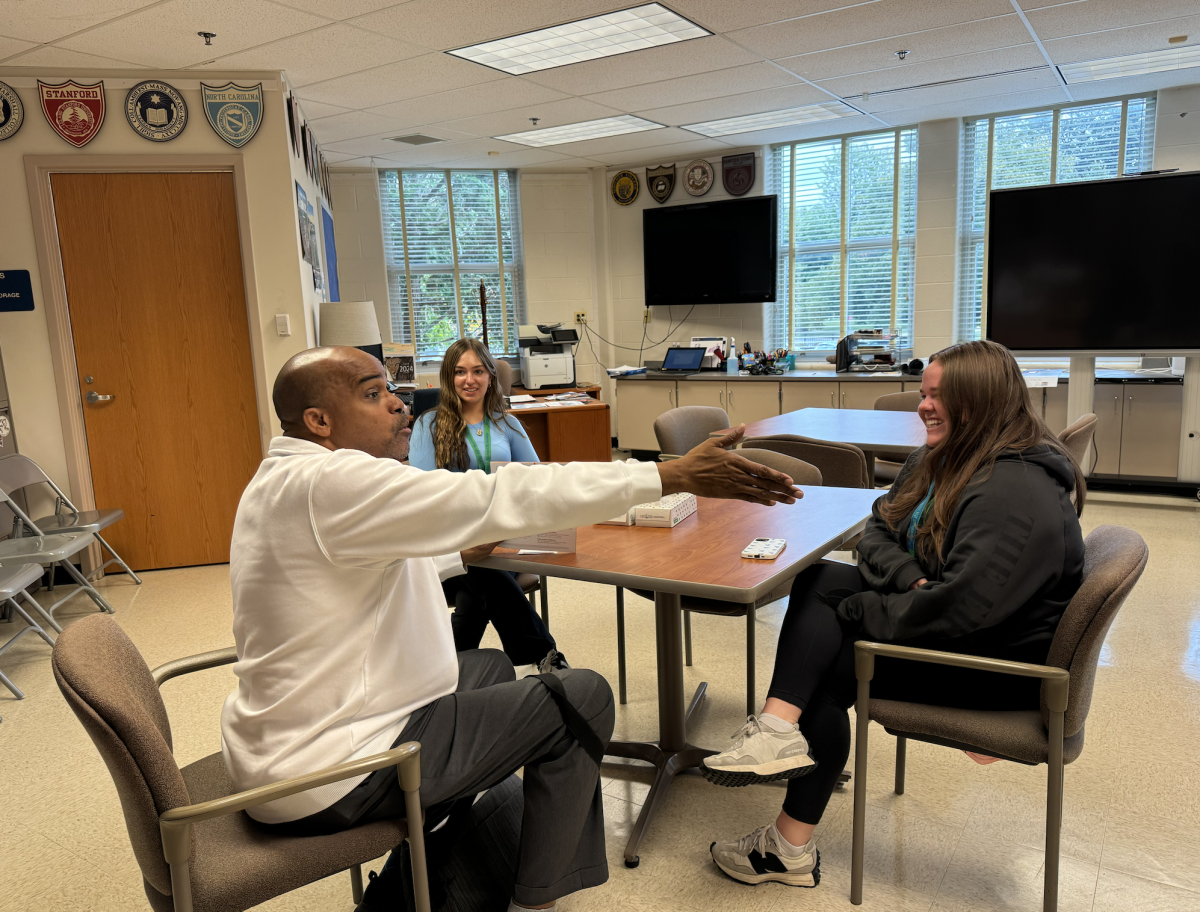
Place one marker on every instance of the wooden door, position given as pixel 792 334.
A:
pixel 154 283
pixel 799 394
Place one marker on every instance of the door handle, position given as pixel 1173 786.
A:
pixel 721 397
pixel 96 397
pixel 671 397
pixel 731 398
pixel 843 398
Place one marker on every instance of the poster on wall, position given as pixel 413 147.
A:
pixel 304 211
pixel 331 262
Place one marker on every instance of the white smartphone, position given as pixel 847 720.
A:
pixel 764 548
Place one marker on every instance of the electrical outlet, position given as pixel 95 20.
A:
pixel 581 316
pixel 646 315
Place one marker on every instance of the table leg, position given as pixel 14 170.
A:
pixel 870 454
pixel 672 754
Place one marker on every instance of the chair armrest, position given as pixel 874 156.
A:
pixel 188 664
pixel 1057 680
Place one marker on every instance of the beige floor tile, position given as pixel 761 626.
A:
pixel 1154 848
pixel 1118 892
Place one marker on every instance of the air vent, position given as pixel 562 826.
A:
pixel 415 139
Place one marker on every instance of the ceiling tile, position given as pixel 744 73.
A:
pixel 399 81
pixel 700 87
pixel 865 22
pixel 381 146
pixel 338 9
pixel 1101 15
pixel 35 22
pixel 1134 85
pixel 976 107
pixel 670 61
pixel 1043 78
pixel 314 110
pixel 320 54
pixel 799 132
pixel 680 153
pixel 736 105
pixel 351 125
pixel 550 114
pixel 956 41
pixel 522 159
pixel 165 35
pixel 47 55
pixel 601 148
pixel 10 46
pixel 1119 42
pixel 935 71
pixel 490 97
pixel 724 16
pixel 448 24
pixel 334 158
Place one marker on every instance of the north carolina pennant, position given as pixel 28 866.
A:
pixel 234 112
pixel 75 112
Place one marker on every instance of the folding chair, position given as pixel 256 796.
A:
pixel 19 471
pixel 13 582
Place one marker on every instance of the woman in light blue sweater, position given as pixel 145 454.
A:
pixel 470 429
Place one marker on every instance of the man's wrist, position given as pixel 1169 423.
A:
pixel 669 477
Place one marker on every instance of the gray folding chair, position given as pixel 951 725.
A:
pixel 886 470
pixel 55 550
pixel 19 471
pixel 680 429
pixel 14 581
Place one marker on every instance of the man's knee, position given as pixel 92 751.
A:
pixel 591 694
pixel 483 668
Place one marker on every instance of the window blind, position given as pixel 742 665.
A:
pixel 444 233
pixel 847 210
pixel 1094 141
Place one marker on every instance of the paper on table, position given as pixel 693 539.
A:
pixel 560 542
pixel 522 398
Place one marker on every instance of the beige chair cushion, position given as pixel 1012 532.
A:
pixel 504 376
pixel 1078 436
pixel 842 465
pixel 899 402
pixel 680 429
pixel 801 472
pixel 529 582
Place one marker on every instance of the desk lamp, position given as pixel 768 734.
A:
pixel 351 323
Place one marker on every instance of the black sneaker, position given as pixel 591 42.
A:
pixel 554 661
pixel 758 858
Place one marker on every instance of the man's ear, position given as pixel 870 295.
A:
pixel 318 422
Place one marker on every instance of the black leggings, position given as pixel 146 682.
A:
pixel 814 670
pixel 482 595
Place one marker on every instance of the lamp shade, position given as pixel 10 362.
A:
pixel 349 323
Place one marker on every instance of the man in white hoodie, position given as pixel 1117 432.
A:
pixel 344 642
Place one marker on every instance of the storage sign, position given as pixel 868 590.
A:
pixel 16 291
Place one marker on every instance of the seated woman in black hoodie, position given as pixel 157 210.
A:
pixel 976 549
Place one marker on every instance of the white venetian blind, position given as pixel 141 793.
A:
pixel 444 233
pixel 1060 145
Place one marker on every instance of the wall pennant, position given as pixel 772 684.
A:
pixel 660 181
pixel 234 112
pixel 698 177
pixel 75 112
pixel 156 111
pixel 12 112
pixel 737 173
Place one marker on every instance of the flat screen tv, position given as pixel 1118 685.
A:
pixel 1096 268
pixel 721 252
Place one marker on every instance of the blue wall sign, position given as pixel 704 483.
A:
pixel 16 291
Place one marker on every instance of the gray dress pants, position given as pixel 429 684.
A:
pixel 490 727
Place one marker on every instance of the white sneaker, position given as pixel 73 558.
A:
pixel 759 754
pixel 758 858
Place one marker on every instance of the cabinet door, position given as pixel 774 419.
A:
pixel 798 394
pixel 1106 445
pixel 702 392
pixel 1055 399
pixel 862 395
pixel 751 401
pixel 639 402
pixel 1150 429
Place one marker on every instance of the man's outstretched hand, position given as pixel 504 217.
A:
pixel 712 470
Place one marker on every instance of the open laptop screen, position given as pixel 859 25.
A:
pixel 683 359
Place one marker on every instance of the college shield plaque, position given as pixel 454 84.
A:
pixel 698 178
pixel 75 112
pixel 660 181
pixel 625 187
pixel 737 173
pixel 156 111
pixel 12 112
pixel 235 112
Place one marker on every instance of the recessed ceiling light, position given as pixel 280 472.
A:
pixel 627 30
pixel 1177 39
pixel 415 139
pixel 577 132
pixel 1131 64
pixel 825 110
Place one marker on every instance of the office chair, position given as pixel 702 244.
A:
pixel 1077 437
pixel 680 429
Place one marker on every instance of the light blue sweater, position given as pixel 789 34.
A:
pixel 509 443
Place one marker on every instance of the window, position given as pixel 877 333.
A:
pixel 1083 142
pixel 444 232
pixel 847 237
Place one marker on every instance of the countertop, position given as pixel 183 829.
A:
pixel 1102 376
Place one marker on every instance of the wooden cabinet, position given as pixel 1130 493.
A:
pixel 702 392
pixel 1106 444
pixel 808 394
pixel 862 395
pixel 1051 403
pixel 1151 419
pixel 639 402
pixel 751 401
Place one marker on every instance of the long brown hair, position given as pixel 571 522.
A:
pixel 449 428
pixel 988 410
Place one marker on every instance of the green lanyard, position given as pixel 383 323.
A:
pixel 485 465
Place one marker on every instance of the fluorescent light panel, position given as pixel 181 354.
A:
pixel 813 113
pixel 628 30
pixel 1131 64
pixel 577 132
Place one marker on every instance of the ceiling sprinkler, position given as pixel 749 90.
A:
pixel 208 37
pixel 902 54
pixel 534 120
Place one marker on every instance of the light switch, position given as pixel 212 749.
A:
pixel 283 324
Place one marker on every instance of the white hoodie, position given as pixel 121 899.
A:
pixel 341 626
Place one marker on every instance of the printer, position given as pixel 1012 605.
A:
pixel 547 359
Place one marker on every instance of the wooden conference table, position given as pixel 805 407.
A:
pixel 700 557
pixel 876 433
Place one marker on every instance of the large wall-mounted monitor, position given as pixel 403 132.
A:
pixel 721 252
pixel 1104 267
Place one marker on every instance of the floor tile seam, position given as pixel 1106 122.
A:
pixel 1161 883
pixel 105 871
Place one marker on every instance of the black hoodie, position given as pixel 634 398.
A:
pixel 1011 561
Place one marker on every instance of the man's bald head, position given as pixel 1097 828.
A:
pixel 337 396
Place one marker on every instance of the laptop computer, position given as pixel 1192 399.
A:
pixel 679 362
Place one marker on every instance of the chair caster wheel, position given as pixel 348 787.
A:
pixel 637 860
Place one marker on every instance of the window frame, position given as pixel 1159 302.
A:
pixel 512 270
pixel 966 204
